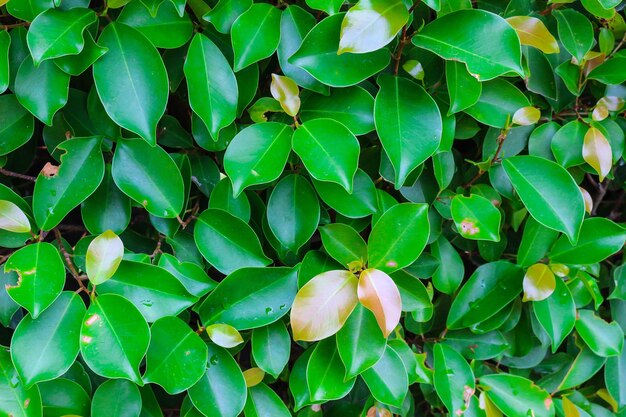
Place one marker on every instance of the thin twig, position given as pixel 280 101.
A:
pixel 501 138
pixel 16 175
pixel 68 261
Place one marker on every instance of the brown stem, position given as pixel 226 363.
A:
pixel 68 261
pixel 500 140
pixel 16 175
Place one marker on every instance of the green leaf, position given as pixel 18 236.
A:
pixel 318 56
pixel 77 64
pixel 257 155
pixel 293 212
pixel 329 151
pixel 557 314
pixel 222 198
pixel 476 217
pixel 453 378
pixel 16 400
pixel 42 90
pixel 5 73
pixel 55 33
pixel 226 12
pixel 271 346
pixel 167 29
pixel 604 339
pixel 371 24
pixel 262 401
pixel 224 335
pixel 160 191
pixel 255 34
pixel 104 255
pixel 56 332
pixel 536 241
pixel 114 338
pixel 498 102
pixel 360 342
pixel 153 290
pixel 227 242
pixel 360 203
pixel 41 276
pixel 448 276
pixel 213 93
pixel 353 107
pixel 8 307
pixel 610 71
pixel 116 398
pixel 488 53
pixel 614 377
pixel 328 6
pixel 517 396
pixel 131 80
pixel 191 275
pixel 177 356
pixel 387 380
pixel 325 373
pixel 250 298
pixel 286 91
pixel 295 23
pixel 399 237
pixel 415 296
pixel 490 289
pixel 549 193
pixel 575 32
pixel 344 244
pixel 408 123
pixel 599 239
pixel 107 208
pixel 464 89
pixel 222 390
pixel 64 396
pixel 17 125
pixel 323 305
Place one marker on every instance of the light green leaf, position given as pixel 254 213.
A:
pixel 12 218
pixel 224 335
pixel 104 255
pixel 15 399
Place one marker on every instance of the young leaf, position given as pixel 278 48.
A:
pixel 253 376
pixel 12 218
pixel 526 116
pixel 597 152
pixel 224 335
pixel 378 293
pixel 533 32
pixel 539 283
pixel 286 91
pixel 371 24
pixel 104 255
pixel 323 305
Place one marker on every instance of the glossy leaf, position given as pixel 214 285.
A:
pixel 476 218
pixel 378 293
pixel 116 398
pixel 597 152
pixel 255 34
pixel 344 244
pixel 453 378
pixel 533 32
pixel 557 313
pixel 387 379
pixel 104 255
pixel 271 346
pixel 12 218
pixel 501 388
pixel 16 399
pixel 575 32
pixel 603 339
pixel 539 283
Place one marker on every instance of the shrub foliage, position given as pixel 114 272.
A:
pixel 312 208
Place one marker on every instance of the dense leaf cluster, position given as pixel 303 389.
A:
pixel 312 208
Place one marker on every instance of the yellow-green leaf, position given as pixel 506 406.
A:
pixel 539 283
pixel 253 376
pixel 526 116
pixel 224 335
pixel 323 305
pixel 379 294
pixel 569 409
pixel 104 255
pixel 12 218
pixel 587 199
pixel 286 91
pixel 597 152
pixel 533 32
